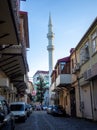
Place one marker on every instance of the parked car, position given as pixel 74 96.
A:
pixel 44 107
pixel 29 109
pixel 19 110
pixel 58 110
pixel 49 109
pixel 7 121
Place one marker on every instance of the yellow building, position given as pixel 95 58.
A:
pixel 84 74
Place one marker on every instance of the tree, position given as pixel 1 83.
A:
pixel 40 90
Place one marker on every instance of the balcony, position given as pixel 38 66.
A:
pixel 21 83
pixel 13 61
pixel 9 22
pixel 63 80
pixel 14 49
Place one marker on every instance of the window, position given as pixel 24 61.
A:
pixel 17 107
pixel 94 42
pixel 84 53
pixel 81 55
pixel 62 65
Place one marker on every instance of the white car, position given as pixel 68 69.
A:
pixel 19 110
pixel 44 107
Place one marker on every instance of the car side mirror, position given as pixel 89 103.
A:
pixel 2 116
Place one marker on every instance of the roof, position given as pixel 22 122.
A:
pixel 94 23
pixel 65 59
pixel 41 72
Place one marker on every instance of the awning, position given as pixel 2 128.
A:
pixel 14 66
pixel 9 22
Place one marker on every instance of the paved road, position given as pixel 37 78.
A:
pixel 40 120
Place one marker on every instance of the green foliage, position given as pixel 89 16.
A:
pixel 40 90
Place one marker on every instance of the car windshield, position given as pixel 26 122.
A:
pixel 50 106
pixel 58 107
pixel 17 107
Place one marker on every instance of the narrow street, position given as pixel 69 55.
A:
pixel 40 120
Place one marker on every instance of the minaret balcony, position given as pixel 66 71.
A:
pixel 50 35
pixel 50 47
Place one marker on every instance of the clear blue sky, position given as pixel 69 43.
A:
pixel 70 19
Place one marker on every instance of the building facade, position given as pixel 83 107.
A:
pixel 79 96
pixel 61 85
pixel 14 39
pixel 84 61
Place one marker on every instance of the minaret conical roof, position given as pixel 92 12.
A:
pixel 50 20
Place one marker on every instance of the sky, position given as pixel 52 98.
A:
pixel 70 19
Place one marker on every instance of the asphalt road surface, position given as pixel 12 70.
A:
pixel 40 120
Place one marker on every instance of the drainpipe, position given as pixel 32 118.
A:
pixel 91 94
pixel 91 83
pixel 79 95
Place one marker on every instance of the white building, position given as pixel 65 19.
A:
pixel 45 76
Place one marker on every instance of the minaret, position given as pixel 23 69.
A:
pixel 50 47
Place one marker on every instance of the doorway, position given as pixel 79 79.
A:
pixel 73 102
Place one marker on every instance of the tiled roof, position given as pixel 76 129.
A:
pixel 65 59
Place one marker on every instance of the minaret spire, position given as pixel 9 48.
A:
pixel 50 21
pixel 50 46
pixel 50 26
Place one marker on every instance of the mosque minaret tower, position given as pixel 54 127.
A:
pixel 50 47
